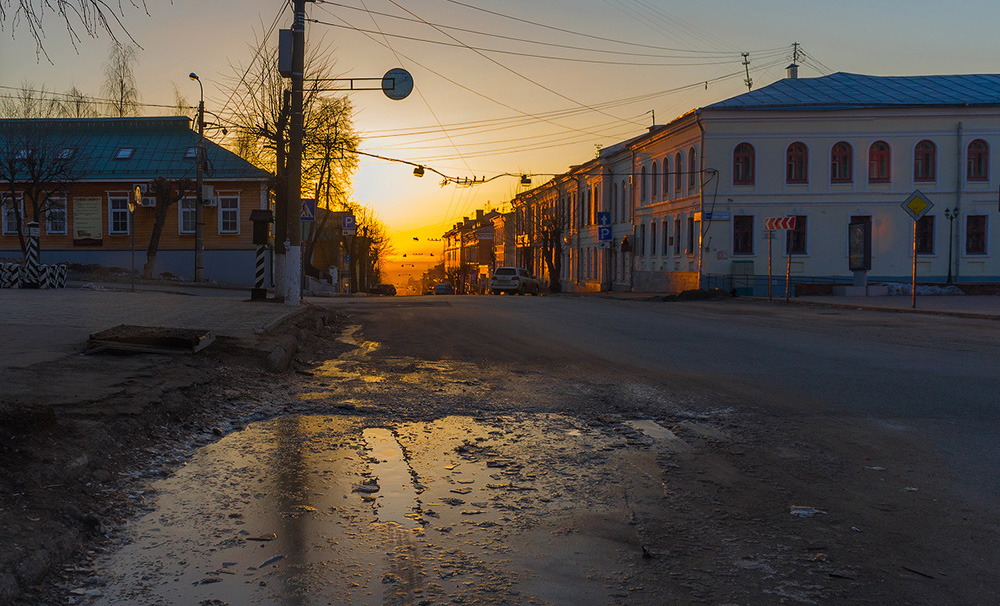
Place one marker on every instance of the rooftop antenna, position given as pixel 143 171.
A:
pixel 746 66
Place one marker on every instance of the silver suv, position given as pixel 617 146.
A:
pixel 513 280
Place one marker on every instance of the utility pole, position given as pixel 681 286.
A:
pixel 199 210
pixel 292 288
pixel 795 52
pixel 746 66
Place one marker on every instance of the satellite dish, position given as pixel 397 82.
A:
pixel 397 84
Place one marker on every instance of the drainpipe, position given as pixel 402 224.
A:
pixel 631 219
pixel 701 197
pixel 958 199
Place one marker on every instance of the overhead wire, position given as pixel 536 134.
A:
pixel 260 49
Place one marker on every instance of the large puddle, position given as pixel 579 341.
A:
pixel 328 510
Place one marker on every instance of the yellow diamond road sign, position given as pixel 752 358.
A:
pixel 917 205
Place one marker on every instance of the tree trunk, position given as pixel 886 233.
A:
pixel 154 240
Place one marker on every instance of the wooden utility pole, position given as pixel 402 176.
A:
pixel 292 288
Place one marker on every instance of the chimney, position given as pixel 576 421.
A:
pixel 479 214
pixel 793 72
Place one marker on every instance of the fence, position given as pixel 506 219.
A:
pixel 751 285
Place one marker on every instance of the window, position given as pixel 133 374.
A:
pixel 12 209
pixel 689 249
pixel 743 164
pixel 677 236
pixel 841 163
pixel 795 239
pixel 924 161
pixel 118 222
pixel 66 153
pixel 642 240
pixel 191 153
pixel 742 234
pixel 678 171
pixel 975 234
pixel 978 161
pixel 186 216
pixel 878 162
pixel 642 184
pixel 692 172
pixel 229 214
pixel 666 177
pixel 925 235
pixel 124 153
pixel 666 240
pixel 55 216
pixel 652 239
pixel 624 201
pixel 614 204
pixel 655 176
pixel 796 162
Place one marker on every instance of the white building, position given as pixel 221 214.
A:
pixel 691 197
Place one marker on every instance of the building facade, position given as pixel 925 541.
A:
pixel 85 215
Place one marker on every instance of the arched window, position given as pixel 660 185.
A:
pixel 692 170
pixel 978 161
pixel 625 207
pixel 743 164
pixel 796 163
pixel 678 172
pixel 666 177
pixel 924 161
pixel 642 184
pixel 655 176
pixel 879 155
pixel 841 163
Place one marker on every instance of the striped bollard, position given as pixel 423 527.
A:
pixel 6 275
pixel 259 293
pixel 15 276
pixel 45 277
pixel 32 269
pixel 61 275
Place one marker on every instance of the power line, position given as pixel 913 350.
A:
pixel 260 49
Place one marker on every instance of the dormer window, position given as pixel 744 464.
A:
pixel 66 153
pixel 124 153
pixel 191 153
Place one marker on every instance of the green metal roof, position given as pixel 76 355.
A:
pixel 160 148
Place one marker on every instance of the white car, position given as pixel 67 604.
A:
pixel 514 280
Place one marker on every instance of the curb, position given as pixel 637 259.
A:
pixel 904 310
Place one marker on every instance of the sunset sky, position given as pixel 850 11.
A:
pixel 517 86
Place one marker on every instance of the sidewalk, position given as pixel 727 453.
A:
pixel 45 325
pixel 973 306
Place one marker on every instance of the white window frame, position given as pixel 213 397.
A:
pixel 222 197
pixel 182 210
pixel 62 209
pixel 10 227
pixel 119 198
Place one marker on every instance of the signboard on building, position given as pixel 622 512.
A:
pixel 859 246
pixel 88 222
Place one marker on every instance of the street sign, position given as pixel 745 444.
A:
pixel 604 218
pixel 397 84
pixel 308 210
pixel 604 234
pixel 779 223
pixel 348 226
pixel 917 205
pixel 718 216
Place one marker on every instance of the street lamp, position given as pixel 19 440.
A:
pixel 199 211
pixel 951 215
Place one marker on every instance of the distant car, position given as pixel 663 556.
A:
pixel 444 289
pixel 514 280
pixel 383 289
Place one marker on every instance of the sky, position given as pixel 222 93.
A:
pixel 518 86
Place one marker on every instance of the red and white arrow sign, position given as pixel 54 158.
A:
pixel 779 223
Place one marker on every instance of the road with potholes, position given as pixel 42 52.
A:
pixel 561 450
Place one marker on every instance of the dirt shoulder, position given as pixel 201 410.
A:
pixel 74 429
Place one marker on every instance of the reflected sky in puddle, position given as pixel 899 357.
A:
pixel 273 514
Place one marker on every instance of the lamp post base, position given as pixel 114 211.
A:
pixel 258 294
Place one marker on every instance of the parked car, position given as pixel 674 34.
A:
pixel 383 289
pixel 444 289
pixel 514 280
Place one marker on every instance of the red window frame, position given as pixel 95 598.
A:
pixel 679 170
pixel 925 235
pixel 654 184
pixel 742 234
pixel 925 161
pixel 692 162
pixel 841 162
pixel 879 162
pixel 978 161
pixel 975 234
pixel 743 164
pixel 797 163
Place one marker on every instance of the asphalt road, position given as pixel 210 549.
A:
pixel 935 377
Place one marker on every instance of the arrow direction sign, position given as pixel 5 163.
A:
pixel 604 218
pixel 773 223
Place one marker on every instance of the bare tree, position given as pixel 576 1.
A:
pixel 167 193
pixel 119 81
pixel 78 105
pixel 79 17
pixel 29 102
pixel 37 164
pixel 181 105
pixel 552 231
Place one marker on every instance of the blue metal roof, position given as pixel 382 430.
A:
pixel 854 91
pixel 160 148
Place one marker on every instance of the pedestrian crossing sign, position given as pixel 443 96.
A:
pixel 308 212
